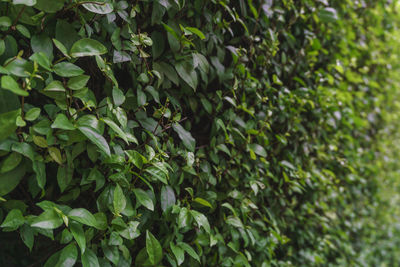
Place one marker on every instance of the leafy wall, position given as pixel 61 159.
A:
pixel 198 133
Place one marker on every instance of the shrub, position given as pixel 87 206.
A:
pixel 197 133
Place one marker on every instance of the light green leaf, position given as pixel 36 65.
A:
pixel 259 150
pixel 143 198
pixel 87 47
pixel 14 219
pixel 24 2
pixel 196 31
pixel 55 154
pixel 119 200
pixel 188 141
pixel 153 248
pixel 79 235
pixel 62 122
pixel 32 114
pixel 202 202
pixel 8 83
pixel 49 219
pixel 67 69
pixel 178 252
pixel 201 220
pixel 96 139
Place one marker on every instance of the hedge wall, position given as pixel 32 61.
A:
pixel 199 133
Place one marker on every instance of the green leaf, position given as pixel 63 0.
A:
pixel 99 7
pixel 32 114
pixel 202 202
pixel 201 220
pixel 79 235
pixel 67 69
pixel 168 71
pixel 42 43
pixel 89 259
pixel 5 22
pixel 83 216
pixel 55 154
pixel 78 82
pixel 167 197
pixel 96 139
pixel 10 162
pixel 153 248
pixel 183 217
pixel 119 200
pixel 328 14
pixel 189 250
pixel 50 6
pixel 259 150
pixel 23 30
pixel 40 169
pixel 64 177
pixel 7 122
pixel 42 59
pixel 188 141
pixel 24 2
pixel 116 129
pixel 10 180
pixel 62 122
pixel 178 252
pixel 61 47
pixel 8 83
pixel 187 73
pixel 143 198
pixel 14 219
pixel 136 158
pixel 118 96
pixel 49 219
pixel 87 47
pixel 27 236
pixel 68 256
pixel 20 67
pixel 196 31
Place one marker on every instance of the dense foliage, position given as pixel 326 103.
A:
pixel 199 133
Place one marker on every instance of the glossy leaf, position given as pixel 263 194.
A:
pixel 87 47
pixel 153 248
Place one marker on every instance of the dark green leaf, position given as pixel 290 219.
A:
pixel 96 139
pixel 188 141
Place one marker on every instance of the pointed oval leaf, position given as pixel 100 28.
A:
pixel 87 47
pixel 153 248
pixel 96 139
pixel 143 198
